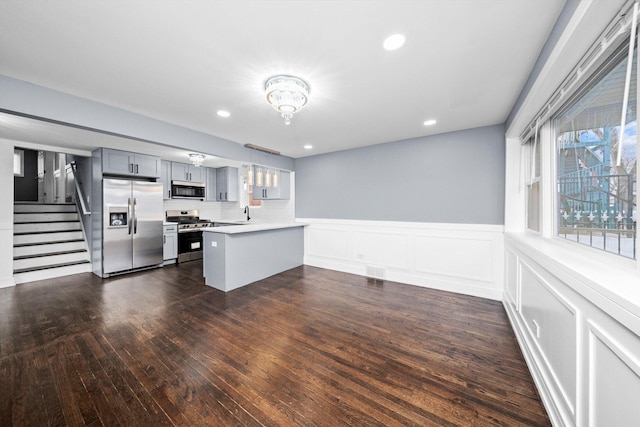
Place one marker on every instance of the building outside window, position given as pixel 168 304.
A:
pixel 596 161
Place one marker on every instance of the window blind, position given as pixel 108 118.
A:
pixel 610 39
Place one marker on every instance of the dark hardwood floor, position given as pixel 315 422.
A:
pixel 306 347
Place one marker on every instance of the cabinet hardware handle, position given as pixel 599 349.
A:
pixel 164 239
pixel 136 168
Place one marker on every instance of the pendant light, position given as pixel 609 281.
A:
pixel 259 177
pixel 250 175
pixel 267 178
pixel 276 178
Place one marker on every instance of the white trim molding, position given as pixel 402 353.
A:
pixel 579 335
pixel 461 258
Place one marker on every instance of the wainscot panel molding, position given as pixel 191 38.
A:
pixel 578 331
pixel 6 259
pixel 461 258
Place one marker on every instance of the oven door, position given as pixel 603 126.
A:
pixel 189 245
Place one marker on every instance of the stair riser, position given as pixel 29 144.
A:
pixel 47 237
pixel 47 249
pixel 49 260
pixel 43 208
pixel 44 217
pixel 51 273
pixel 52 226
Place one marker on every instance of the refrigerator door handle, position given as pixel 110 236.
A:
pixel 135 216
pixel 129 214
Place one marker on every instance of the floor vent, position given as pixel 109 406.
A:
pixel 378 273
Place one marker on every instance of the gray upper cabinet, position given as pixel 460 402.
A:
pixel 165 178
pixel 281 192
pixel 125 163
pixel 227 184
pixel 211 189
pixel 187 172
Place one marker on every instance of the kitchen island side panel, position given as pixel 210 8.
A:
pixel 240 259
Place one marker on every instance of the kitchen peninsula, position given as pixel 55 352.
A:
pixel 236 255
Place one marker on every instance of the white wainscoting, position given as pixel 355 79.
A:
pixel 582 349
pixel 461 258
pixel 6 255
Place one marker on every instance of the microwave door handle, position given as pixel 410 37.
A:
pixel 135 216
pixel 129 214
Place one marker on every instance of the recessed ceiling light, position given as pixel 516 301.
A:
pixel 430 122
pixel 393 42
pixel 308 147
pixel 223 113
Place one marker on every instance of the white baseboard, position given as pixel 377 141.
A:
pixel 461 258
pixel 7 282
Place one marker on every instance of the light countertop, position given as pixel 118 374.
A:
pixel 251 227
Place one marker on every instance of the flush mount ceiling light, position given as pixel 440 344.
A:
pixel 223 113
pixel 287 95
pixel 393 42
pixel 196 159
pixel 430 122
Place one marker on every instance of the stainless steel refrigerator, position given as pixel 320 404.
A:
pixel 132 225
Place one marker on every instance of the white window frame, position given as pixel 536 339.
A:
pixel 531 178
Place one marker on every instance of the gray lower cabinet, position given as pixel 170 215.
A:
pixel 165 178
pixel 281 192
pixel 227 184
pixel 211 189
pixel 125 163
pixel 170 243
pixel 187 172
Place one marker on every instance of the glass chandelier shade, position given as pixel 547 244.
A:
pixel 287 95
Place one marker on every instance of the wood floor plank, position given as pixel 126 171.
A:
pixel 308 347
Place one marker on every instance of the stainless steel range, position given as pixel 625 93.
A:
pixel 190 227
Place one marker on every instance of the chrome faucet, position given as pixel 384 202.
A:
pixel 246 210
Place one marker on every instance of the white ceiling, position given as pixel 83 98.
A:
pixel 463 64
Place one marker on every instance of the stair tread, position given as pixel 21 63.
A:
pixel 46 267
pixel 45 232
pixel 22 245
pixel 44 222
pixel 74 251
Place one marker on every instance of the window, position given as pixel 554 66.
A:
pixel 532 181
pixel 18 163
pixel 596 162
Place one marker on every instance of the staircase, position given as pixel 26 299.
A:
pixel 47 242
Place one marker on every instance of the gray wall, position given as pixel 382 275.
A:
pixel 556 32
pixel 26 99
pixel 456 177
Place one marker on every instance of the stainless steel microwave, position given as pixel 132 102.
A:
pixel 187 190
